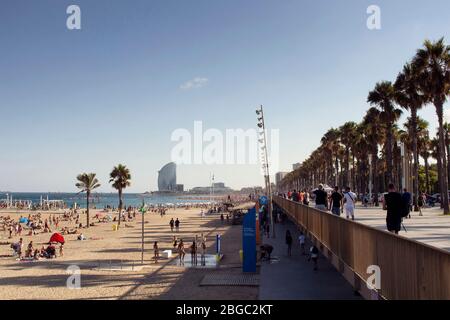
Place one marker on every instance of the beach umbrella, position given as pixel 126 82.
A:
pixel 57 237
pixel 23 220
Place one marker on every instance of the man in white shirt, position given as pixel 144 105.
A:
pixel 301 240
pixel 350 200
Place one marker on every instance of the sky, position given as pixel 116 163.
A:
pixel 74 101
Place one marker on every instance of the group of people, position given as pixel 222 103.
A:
pixel 267 249
pixel 198 246
pixel 174 223
pixel 398 205
pixel 32 253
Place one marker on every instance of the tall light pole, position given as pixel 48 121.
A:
pixel 263 142
pixel 142 210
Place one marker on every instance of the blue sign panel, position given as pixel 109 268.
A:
pixel 249 241
pixel 263 200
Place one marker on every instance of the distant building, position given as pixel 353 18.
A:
pixel 279 176
pixel 167 177
pixel 179 188
pixel 219 185
pixel 218 188
pixel 295 166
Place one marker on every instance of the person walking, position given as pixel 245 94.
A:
pixel 289 242
pixel 156 251
pixel 350 200
pixel 393 203
pixel 336 202
pixel 301 240
pixel 181 252
pixel 305 197
pixel 314 256
pixel 267 227
pixel 203 252
pixel 321 198
pixel 407 201
pixel 421 202
pixel 295 196
pixel 175 243
pixel 193 253
pixel 171 223
pixel 177 225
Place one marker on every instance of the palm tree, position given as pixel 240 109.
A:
pixel 383 96
pixel 433 62
pixel 87 183
pixel 347 133
pixel 331 143
pixel 424 144
pixel 447 145
pixel 435 153
pixel 373 126
pixel 120 178
pixel 410 97
pixel 361 152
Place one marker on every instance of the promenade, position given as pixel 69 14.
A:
pixel 433 228
pixel 293 278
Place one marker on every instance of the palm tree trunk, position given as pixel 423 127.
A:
pixel 416 158
pixel 375 173
pixel 353 179
pixel 330 165
pixel 447 145
pixel 88 193
pixel 389 168
pixel 120 204
pixel 427 175
pixel 336 177
pixel 442 159
pixel 346 178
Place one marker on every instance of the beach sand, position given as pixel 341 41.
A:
pixel 46 279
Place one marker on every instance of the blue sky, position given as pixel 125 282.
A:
pixel 85 100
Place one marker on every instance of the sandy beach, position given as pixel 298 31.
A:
pixel 46 279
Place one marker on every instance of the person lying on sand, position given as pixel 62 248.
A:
pixel 81 237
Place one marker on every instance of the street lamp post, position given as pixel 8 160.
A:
pixel 142 210
pixel 263 141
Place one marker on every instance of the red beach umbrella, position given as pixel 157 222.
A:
pixel 56 237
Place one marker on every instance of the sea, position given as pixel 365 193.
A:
pixel 101 200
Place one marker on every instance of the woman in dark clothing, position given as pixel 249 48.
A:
pixel 289 242
pixel 393 203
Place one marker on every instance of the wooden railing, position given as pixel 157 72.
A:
pixel 409 269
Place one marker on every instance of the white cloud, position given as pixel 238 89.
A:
pixel 195 83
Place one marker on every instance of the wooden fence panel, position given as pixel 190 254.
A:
pixel 409 269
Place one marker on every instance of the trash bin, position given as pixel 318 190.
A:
pixel 114 227
pixel 241 255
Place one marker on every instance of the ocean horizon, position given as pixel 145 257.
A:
pixel 101 199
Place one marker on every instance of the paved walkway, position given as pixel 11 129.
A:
pixel 432 228
pixel 293 278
